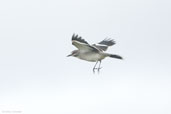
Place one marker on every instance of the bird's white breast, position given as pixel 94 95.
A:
pixel 92 57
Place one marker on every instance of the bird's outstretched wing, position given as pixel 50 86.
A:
pixel 81 44
pixel 104 44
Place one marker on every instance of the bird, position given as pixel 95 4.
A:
pixel 92 53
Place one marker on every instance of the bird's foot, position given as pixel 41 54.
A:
pixel 94 69
pixel 99 69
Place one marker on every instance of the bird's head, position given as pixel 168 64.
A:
pixel 73 53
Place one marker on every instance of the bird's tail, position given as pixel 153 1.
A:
pixel 114 56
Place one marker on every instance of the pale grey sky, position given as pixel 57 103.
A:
pixel 36 77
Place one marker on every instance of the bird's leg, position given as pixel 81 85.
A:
pixel 99 66
pixel 95 67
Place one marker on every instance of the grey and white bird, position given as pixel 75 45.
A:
pixel 93 53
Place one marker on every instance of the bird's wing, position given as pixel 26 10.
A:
pixel 104 44
pixel 82 45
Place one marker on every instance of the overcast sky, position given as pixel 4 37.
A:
pixel 36 77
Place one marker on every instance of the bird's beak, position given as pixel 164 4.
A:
pixel 69 55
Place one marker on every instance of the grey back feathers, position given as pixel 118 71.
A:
pixel 104 44
pixel 107 42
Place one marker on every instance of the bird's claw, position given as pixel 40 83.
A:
pixel 94 70
pixel 98 69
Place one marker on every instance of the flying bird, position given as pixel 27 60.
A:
pixel 93 53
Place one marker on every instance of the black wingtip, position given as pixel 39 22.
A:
pixel 78 38
pixel 73 36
